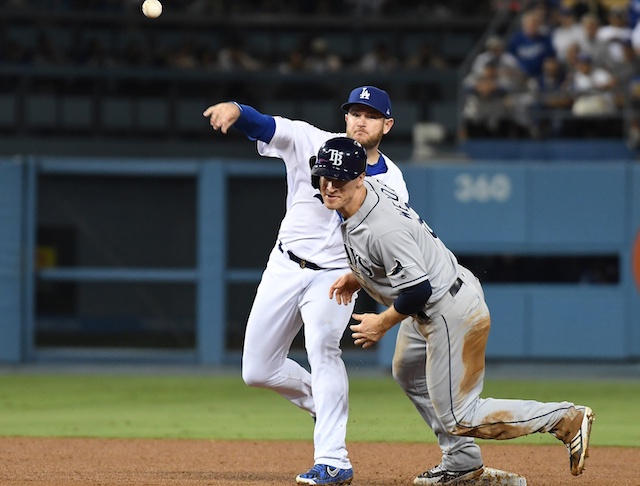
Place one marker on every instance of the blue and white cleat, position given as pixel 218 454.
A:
pixel 323 474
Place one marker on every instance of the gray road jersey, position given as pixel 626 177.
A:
pixel 390 247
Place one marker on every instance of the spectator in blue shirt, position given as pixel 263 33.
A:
pixel 530 46
pixel 633 12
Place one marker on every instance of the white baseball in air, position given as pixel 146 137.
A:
pixel 151 8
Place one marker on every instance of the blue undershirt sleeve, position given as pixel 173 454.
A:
pixel 413 299
pixel 255 125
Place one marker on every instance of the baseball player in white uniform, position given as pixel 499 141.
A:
pixel 306 259
pixel 439 359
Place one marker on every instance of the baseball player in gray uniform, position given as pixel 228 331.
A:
pixel 305 260
pixel 439 359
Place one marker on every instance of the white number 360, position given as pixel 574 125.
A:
pixel 482 188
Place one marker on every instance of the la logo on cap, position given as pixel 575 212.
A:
pixel 365 95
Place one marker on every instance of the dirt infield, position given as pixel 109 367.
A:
pixel 58 462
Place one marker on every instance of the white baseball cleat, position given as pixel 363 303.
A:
pixel 578 447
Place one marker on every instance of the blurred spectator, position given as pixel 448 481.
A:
pixel 135 55
pixel 592 88
pixel 571 59
pixel 319 60
pixel 545 10
pixel 551 98
pixel 589 42
pixel 208 7
pixel 615 32
pixel 529 46
pixel 625 73
pixel 635 39
pixel 633 93
pixel 96 54
pixel 293 64
pixel 208 58
pixel 550 86
pixel 485 113
pixel 511 79
pixel 628 68
pixel 583 7
pixel 508 66
pixel 426 58
pixel 298 61
pixel 567 31
pixel 594 108
pixel 362 8
pixel 11 52
pixel 633 12
pixel 379 60
pixel 46 52
pixel 234 57
pixel 185 55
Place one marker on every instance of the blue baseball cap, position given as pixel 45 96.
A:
pixel 376 98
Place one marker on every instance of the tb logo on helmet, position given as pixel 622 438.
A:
pixel 335 157
pixel 340 158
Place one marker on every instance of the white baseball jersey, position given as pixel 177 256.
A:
pixel 292 296
pixel 392 248
pixel 318 239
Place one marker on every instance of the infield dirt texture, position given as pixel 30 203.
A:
pixel 142 462
pixel 72 406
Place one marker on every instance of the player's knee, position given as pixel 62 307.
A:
pixel 397 371
pixel 403 375
pixel 321 351
pixel 455 422
pixel 255 376
pixel 449 424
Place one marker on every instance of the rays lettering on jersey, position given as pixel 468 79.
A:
pixel 358 264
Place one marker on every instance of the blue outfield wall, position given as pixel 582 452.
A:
pixel 543 209
pixel 11 258
pixel 522 208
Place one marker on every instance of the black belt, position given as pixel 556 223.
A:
pixel 453 290
pixel 300 261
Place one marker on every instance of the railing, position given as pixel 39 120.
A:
pixel 134 100
pixel 137 102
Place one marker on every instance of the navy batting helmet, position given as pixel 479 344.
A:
pixel 340 158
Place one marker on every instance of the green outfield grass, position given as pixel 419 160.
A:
pixel 223 407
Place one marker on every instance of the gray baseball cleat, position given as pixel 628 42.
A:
pixel 440 475
pixel 578 447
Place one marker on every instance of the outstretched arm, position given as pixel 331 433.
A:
pixel 223 115
pixel 255 125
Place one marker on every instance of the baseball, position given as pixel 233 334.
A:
pixel 151 8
